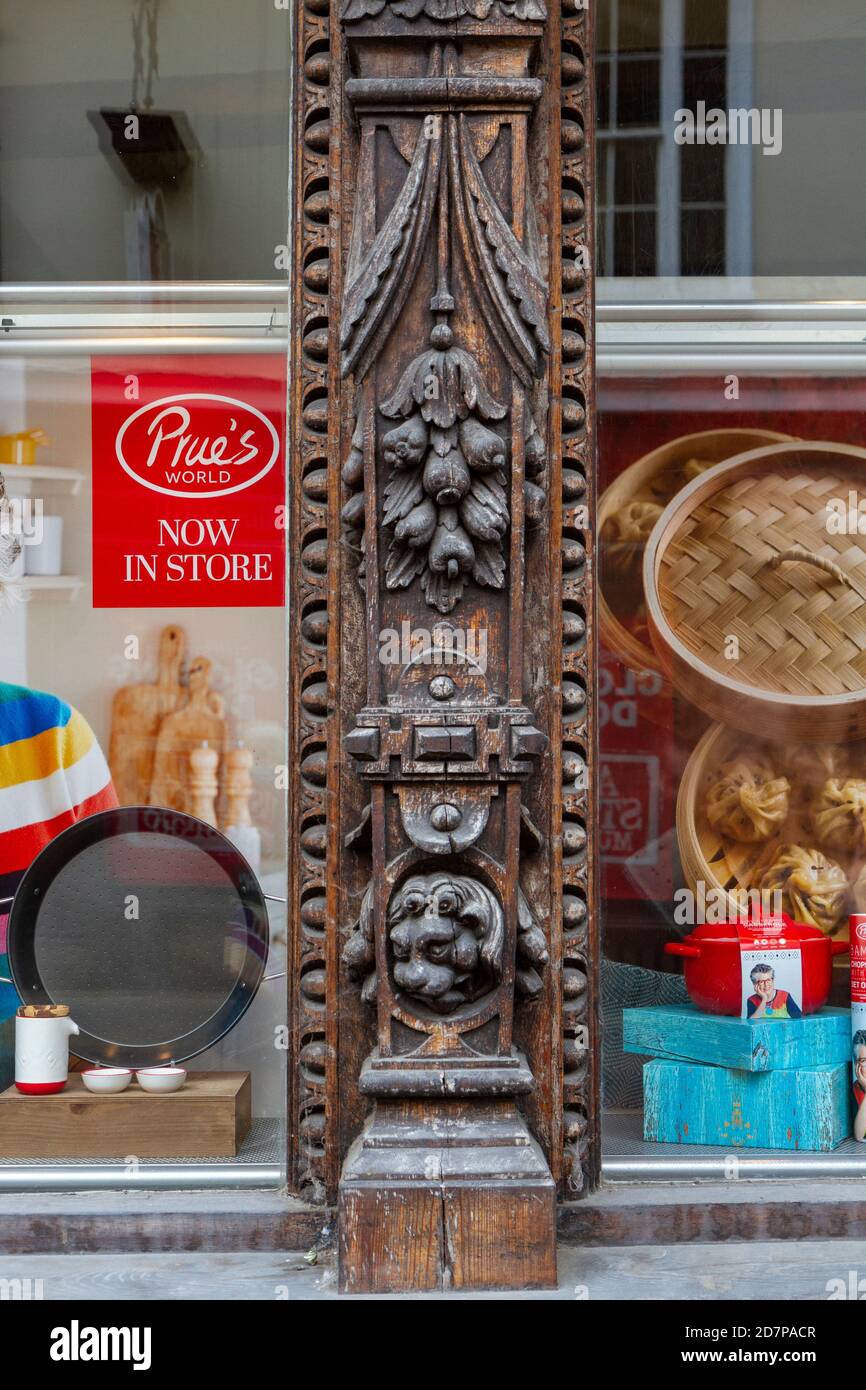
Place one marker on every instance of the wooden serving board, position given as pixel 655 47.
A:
pixel 207 1118
pixel 137 712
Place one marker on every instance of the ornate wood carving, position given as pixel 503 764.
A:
pixel 314 741
pixel 444 964
pixel 581 1041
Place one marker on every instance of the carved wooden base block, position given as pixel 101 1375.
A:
pixel 445 1187
pixel 446 1194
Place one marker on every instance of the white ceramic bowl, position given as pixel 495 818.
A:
pixel 160 1080
pixel 106 1081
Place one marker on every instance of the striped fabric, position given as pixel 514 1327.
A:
pixel 52 773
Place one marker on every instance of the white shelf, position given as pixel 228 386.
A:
pixel 50 584
pixel 43 473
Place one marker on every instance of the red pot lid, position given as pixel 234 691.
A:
pixel 779 927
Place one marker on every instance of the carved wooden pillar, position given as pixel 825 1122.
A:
pixel 443 1079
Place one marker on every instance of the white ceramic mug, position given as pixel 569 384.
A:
pixel 42 1053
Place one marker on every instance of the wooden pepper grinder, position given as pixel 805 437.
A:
pixel 203 785
pixel 238 787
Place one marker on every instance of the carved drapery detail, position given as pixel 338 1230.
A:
pixel 446 504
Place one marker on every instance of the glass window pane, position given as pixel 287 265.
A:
pixel 706 23
pixel 639 25
pixel 705 79
pixel 637 92
pixel 702 175
pixel 602 94
pixel 702 243
pixel 634 243
pixel 635 171
pixel 602 26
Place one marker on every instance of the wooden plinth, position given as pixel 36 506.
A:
pixel 208 1118
pixel 444 1195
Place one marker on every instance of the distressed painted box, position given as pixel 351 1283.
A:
pixel 681 1031
pixel 807 1109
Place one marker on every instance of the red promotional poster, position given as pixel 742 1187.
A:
pixel 188 481
pixel 634 798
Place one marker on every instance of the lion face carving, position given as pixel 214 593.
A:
pixel 446 933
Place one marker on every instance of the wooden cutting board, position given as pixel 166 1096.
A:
pixel 137 712
pixel 209 1117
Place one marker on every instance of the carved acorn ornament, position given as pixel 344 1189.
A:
pixel 446 496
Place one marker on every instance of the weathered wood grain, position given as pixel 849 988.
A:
pixel 208 1118
pixel 683 1032
pixel 808 1109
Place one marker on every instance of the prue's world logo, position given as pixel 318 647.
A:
pixel 197 445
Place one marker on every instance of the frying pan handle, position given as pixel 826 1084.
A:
pixel 839 948
pixel 679 948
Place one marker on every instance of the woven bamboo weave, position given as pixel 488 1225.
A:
pixel 756 596
pixel 656 478
pixel 800 630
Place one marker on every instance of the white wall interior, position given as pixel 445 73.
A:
pixel 225 65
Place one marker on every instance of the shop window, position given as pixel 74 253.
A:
pixel 143 379
pixel 731 366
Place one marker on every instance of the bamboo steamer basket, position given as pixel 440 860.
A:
pixel 729 867
pixel 744 552
pixel 657 477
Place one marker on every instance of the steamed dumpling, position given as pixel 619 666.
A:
pixel 814 888
pixel 858 891
pixel 747 801
pixel 813 763
pixel 625 533
pixel 839 815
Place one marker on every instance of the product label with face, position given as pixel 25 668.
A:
pixel 857 930
pixel 771 969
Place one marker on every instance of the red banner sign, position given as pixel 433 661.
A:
pixel 188 482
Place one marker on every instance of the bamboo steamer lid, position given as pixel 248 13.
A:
pixel 657 477
pixel 742 561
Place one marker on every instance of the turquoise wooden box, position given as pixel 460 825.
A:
pixel 682 1031
pixel 806 1109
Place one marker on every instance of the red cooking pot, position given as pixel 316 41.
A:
pixel 711 964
